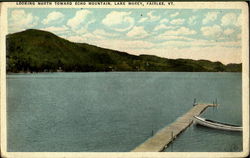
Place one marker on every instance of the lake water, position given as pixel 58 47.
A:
pixel 117 111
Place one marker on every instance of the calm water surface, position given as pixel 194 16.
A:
pixel 117 111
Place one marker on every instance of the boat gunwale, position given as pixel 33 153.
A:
pixel 217 124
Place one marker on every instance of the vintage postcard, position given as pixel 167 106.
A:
pixel 124 79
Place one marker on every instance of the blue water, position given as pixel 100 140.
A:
pixel 117 111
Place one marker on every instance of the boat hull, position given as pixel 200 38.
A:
pixel 216 125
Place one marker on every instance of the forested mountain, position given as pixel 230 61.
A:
pixel 41 51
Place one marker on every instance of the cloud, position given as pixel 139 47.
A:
pixel 209 17
pixel 212 31
pixel 79 19
pixel 185 43
pixel 150 17
pixel 177 21
pixel 163 26
pixel 90 38
pixel 192 20
pixel 174 14
pixel 53 17
pixel 83 28
pixel 168 37
pixel 194 10
pixel 76 38
pixel 190 43
pixel 181 31
pixel 101 32
pixel 20 20
pixel 228 31
pixel 119 21
pixel 142 20
pixel 57 30
pixel 230 19
pixel 137 32
pixel 164 21
pixel 127 46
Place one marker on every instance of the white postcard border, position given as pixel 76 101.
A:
pixel 182 5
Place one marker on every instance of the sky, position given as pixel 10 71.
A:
pixel 211 34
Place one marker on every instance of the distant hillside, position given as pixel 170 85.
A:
pixel 39 51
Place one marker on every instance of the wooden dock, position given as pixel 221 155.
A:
pixel 162 138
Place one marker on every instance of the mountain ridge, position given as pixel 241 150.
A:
pixel 42 51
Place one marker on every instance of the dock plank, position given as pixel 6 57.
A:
pixel 162 138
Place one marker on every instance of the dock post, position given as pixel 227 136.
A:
pixel 172 144
pixel 216 104
pixel 213 106
pixel 194 101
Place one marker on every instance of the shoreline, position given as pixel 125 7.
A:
pixel 14 73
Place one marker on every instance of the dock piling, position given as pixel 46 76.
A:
pixel 172 141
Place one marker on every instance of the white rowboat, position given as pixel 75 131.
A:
pixel 216 125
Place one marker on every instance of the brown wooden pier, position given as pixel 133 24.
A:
pixel 162 138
